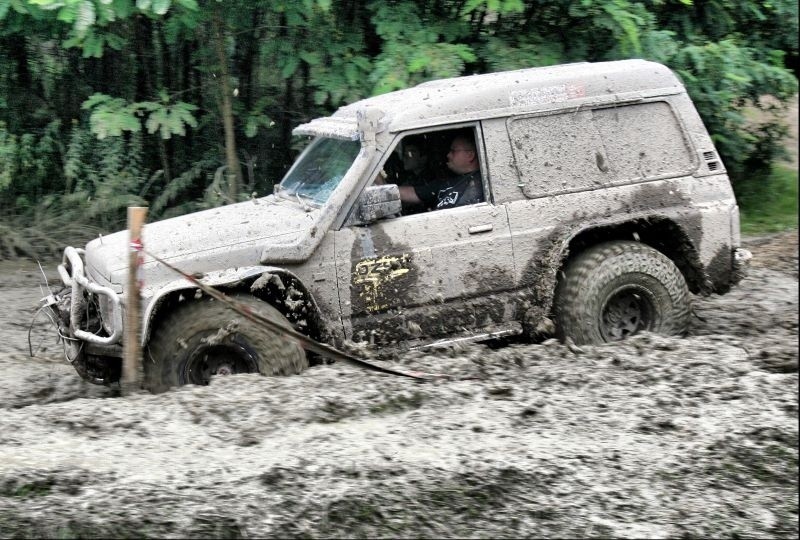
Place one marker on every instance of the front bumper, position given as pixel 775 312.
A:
pixel 84 291
pixel 89 319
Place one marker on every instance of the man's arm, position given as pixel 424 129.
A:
pixel 409 195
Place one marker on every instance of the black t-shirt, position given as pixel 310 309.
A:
pixel 450 192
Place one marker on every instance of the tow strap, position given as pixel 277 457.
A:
pixel 302 340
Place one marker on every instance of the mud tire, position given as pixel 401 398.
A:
pixel 196 328
pixel 617 289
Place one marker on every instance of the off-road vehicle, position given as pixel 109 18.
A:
pixel 603 207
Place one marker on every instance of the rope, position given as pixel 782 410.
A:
pixel 302 340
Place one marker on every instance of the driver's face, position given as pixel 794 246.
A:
pixel 461 157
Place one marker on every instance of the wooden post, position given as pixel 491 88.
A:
pixel 132 369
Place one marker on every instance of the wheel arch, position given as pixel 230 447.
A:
pixel 662 233
pixel 276 286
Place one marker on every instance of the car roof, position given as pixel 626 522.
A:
pixel 497 94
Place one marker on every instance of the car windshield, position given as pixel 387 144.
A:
pixel 320 169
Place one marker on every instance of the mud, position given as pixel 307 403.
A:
pixel 654 437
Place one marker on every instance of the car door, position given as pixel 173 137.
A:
pixel 426 276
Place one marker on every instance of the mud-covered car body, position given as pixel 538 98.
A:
pixel 570 156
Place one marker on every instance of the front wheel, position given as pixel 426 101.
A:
pixel 617 289
pixel 204 338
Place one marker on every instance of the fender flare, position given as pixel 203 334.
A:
pixel 221 278
pixel 554 252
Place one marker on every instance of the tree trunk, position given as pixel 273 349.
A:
pixel 159 56
pixel 247 61
pixel 234 169
pixel 188 88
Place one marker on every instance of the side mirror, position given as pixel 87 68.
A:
pixel 376 202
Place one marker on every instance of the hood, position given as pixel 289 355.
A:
pixel 234 235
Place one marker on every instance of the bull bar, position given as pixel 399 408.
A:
pixel 71 271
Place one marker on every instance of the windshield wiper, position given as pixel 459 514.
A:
pixel 303 205
pixel 298 195
pixel 281 190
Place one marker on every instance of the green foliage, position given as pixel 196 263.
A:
pixel 44 231
pixel 343 75
pixel 626 21
pixel 88 19
pixel 111 117
pixel 500 55
pixel 168 120
pixel 414 48
pixel 495 6
pixel 94 92
pixel 178 187
pixel 93 44
pixel 105 177
pixel 768 201
pixel 723 78
pixel 78 157
pixel 28 165
pixel 257 118
pixel 8 157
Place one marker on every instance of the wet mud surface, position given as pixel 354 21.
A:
pixel 654 437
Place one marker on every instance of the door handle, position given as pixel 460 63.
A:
pixel 475 229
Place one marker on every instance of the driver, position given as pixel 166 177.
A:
pixel 463 189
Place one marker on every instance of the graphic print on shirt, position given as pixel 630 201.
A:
pixel 447 198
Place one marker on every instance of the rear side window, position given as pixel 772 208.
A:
pixel 580 150
pixel 644 141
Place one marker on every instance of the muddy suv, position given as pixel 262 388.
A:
pixel 599 205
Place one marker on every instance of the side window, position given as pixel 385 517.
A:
pixel 561 152
pixel 644 141
pixel 436 170
pixel 574 151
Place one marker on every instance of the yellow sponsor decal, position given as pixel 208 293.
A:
pixel 372 276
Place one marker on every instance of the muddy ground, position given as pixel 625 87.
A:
pixel 655 437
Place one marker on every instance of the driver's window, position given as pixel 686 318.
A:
pixel 435 170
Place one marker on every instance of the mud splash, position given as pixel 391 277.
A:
pixel 652 437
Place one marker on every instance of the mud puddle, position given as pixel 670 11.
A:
pixel 654 437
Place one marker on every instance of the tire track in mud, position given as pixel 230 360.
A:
pixel 650 437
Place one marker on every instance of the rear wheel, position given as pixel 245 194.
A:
pixel 617 289
pixel 201 339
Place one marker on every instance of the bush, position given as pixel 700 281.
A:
pixel 768 201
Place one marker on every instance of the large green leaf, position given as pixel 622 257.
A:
pixel 290 66
pixel 160 7
pixel 110 117
pixel 86 16
pixel 171 120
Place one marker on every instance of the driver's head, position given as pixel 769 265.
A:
pixel 462 157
